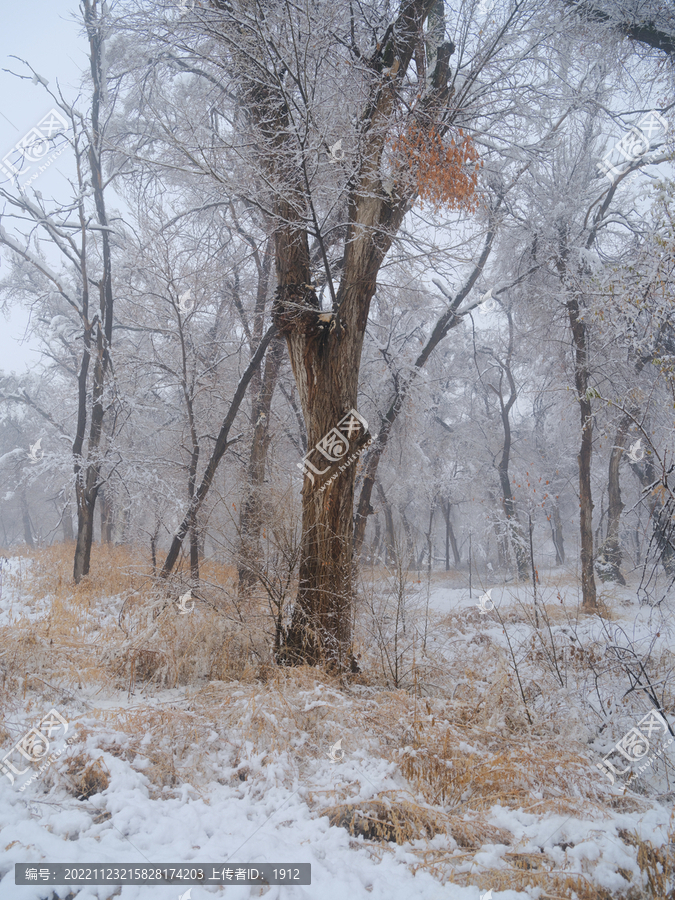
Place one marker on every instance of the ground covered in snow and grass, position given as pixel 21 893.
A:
pixel 468 749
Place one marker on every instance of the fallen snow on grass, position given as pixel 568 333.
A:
pixel 444 790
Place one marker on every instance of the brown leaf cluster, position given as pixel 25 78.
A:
pixel 444 174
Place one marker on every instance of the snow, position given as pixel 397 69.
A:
pixel 241 794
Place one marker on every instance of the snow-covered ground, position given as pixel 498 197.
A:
pixel 240 771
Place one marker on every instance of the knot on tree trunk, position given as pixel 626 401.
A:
pixel 296 310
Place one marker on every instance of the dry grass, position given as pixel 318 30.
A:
pixel 86 777
pixel 460 753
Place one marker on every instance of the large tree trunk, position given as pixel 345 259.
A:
pixel 610 554
pixel 325 356
pixel 581 377
pixel 325 364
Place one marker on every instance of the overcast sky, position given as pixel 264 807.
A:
pixel 45 34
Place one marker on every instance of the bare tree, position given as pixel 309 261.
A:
pixel 89 264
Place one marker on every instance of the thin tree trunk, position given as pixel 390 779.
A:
pixel 450 539
pixel 610 552
pixel 25 518
pixel 445 506
pixel 67 524
pixel 252 513
pixel 429 536
pixel 219 449
pixel 391 554
pixel 557 535
pixel 87 476
pixel 503 553
pixel 581 378
pixel 106 512
pixel 410 544
pixel 376 541
pixel 194 550
pixel 513 526
pixel 453 544
pixel 662 525
pixel 402 387
pixel 87 481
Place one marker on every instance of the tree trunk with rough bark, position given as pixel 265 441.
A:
pixel 325 348
pixel 325 364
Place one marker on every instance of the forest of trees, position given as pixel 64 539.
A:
pixel 454 218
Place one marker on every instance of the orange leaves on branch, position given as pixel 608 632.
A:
pixel 443 174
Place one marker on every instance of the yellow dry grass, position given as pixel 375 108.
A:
pixel 459 754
